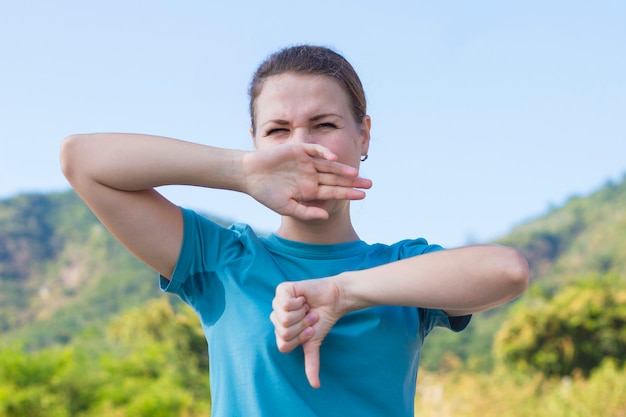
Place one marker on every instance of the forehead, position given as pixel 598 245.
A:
pixel 291 96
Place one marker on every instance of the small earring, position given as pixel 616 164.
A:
pixel 363 158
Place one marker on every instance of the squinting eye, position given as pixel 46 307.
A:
pixel 276 130
pixel 327 126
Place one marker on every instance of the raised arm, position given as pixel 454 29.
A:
pixel 459 281
pixel 116 175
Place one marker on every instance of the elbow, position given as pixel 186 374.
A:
pixel 69 159
pixel 516 272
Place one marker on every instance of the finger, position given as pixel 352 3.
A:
pixel 288 339
pixel 331 167
pixel 312 363
pixel 364 183
pixel 304 212
pixel 289 304
pixel 324 178
pixel 285 298
pixel 287 319
pixel 316 150
pixel 339 193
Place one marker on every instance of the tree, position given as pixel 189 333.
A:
pixel 152 362
pixel 576 330
pixel 55 382
pixel 159 366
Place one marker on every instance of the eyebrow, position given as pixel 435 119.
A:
pixel 312 119
pixel 324 115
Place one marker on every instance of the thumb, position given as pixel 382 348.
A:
pixel 312 362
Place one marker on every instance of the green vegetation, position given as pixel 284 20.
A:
pixel 575 331
pixel 585 239
pixel 61 272
pixel 150 362
pixel 585 236
pixel 85 332
pixel 505 392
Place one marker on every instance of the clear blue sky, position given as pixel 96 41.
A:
pixel 484 113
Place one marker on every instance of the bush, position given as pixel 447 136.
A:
pixel 575 331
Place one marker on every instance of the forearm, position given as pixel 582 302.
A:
pixel 132 162
pixel 459 281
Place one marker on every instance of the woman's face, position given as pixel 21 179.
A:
pixel 302 108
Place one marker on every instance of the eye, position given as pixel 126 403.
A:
pixel 275 131
pixel 327 125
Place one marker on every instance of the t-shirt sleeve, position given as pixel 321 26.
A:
pixel 432 318
pixel 204 243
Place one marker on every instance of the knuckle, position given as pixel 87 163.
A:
pixel 283 346
pixel 281 333
pixel 284 321
pixel 283 286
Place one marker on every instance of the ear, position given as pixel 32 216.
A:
pixel 253 138
pixel 366 125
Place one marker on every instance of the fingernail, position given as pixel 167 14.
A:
pixel 311 318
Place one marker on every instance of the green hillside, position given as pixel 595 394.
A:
pixel 84 330
pixel 585 237
pixel 61 271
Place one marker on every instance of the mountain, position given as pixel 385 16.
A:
pixel 62 274
pixel 587 235
pixel 582 239
pixel 61 271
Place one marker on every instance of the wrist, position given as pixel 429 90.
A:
pixel 236 173
pixel 351 297
pixel 244 168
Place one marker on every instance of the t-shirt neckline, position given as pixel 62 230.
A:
pixel 308 250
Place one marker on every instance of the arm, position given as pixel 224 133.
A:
pixel 115 174
pixel 459 281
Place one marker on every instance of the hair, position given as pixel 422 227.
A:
pixel 315 60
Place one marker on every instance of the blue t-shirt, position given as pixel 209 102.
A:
pixel 368 361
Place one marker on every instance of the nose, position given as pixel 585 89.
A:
pixel 301 135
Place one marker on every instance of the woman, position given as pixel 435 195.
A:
pixel 310 320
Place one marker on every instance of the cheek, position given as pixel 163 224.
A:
pixel 259 142
pixel 351 144
pixel 347 151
